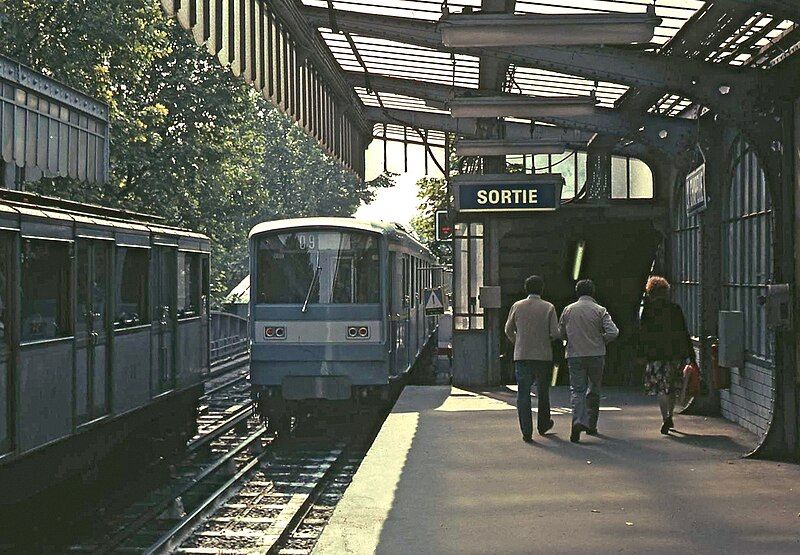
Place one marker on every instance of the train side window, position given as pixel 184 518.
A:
pixel 132 288
pixel 413 282
pixel 188 284
pixel 46 290
pixel 406 285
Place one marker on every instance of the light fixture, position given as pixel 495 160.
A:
pixel 468 30
pixel 521 106
pixel 576 268
pixel 499 147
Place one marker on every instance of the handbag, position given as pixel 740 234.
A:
pixel 691 381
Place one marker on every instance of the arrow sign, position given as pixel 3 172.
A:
pixel 434 301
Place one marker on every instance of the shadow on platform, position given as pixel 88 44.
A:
pixel 449 473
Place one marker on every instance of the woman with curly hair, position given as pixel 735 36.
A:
pixel 665 345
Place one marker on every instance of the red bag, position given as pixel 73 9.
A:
pixel 691 380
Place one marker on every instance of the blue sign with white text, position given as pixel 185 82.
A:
pixel 509 197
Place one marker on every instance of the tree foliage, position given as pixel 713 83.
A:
pixel 190 142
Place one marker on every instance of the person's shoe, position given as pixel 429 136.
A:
pixel 575 436
pixel 527 439
pixel 591 431
pixel 665 428
pixel 670 423
pixel 547 428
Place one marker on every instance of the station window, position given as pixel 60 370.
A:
pixel 132 288
pixel 571 165
pixel 686 262
pixel 189 286
pixel 468 268
pixel 747 248
pixel 46 290
pixel 630 179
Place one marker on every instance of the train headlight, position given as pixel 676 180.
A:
pixel 357 332
pixel 275 332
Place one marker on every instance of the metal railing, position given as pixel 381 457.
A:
pixel 228 335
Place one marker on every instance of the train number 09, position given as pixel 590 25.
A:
pixel 307 242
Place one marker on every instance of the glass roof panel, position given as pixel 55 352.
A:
pixel 760 41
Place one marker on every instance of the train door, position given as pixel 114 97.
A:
pixel 164 317
pixel 6 343
pixel 399 312
pixel 91 329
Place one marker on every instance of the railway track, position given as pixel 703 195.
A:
pixel 269 507
pixel 228 439
pixel 239 489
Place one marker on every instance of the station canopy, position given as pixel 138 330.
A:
pixel 360 35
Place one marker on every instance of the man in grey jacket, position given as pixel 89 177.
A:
pixel 587 327
pixel 532 326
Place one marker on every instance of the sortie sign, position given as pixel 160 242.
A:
pixel 507 192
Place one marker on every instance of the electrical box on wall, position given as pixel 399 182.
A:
pixel 731 339
pixel 778 304
pixel 490 296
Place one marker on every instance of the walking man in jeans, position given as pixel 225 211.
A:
pixel 587 328
pixel 532 326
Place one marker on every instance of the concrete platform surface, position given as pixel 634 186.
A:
pixel 449 473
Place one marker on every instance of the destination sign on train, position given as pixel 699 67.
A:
pixel 507 192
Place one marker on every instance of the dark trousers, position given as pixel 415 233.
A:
pixel 527 371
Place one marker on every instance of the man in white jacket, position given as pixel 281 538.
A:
pixel 532 326
pixel 587 327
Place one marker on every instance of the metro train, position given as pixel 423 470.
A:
pixel 336 313
pixel 104 339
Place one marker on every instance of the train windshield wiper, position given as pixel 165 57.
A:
pixel 311 287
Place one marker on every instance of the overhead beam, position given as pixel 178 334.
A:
pixel 707 28
pixel 644 128
pixel 490 28
pixel 699 80
pixel 471 128
pixel 786 9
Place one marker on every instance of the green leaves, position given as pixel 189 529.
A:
pixel 189 142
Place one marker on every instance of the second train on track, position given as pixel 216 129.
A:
pixel 336 312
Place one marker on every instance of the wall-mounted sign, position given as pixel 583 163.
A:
pixel 507 192
pixel 696 191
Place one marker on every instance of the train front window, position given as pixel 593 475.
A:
pixel 346 265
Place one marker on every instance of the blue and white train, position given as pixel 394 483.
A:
pixel 336 312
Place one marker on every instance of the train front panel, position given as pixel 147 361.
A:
pixel 318 306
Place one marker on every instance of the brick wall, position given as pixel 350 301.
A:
pixel 751 398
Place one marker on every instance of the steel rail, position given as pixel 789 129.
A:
pixel 172 539
pixel 220 387
pixel 310 502
pixel 222 367
pixel 228 424
pixel 150 514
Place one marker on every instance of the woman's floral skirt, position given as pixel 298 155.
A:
pixel 663 377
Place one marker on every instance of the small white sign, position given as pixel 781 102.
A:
pixel 434 301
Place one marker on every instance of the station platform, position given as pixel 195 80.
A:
pixel 449 473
